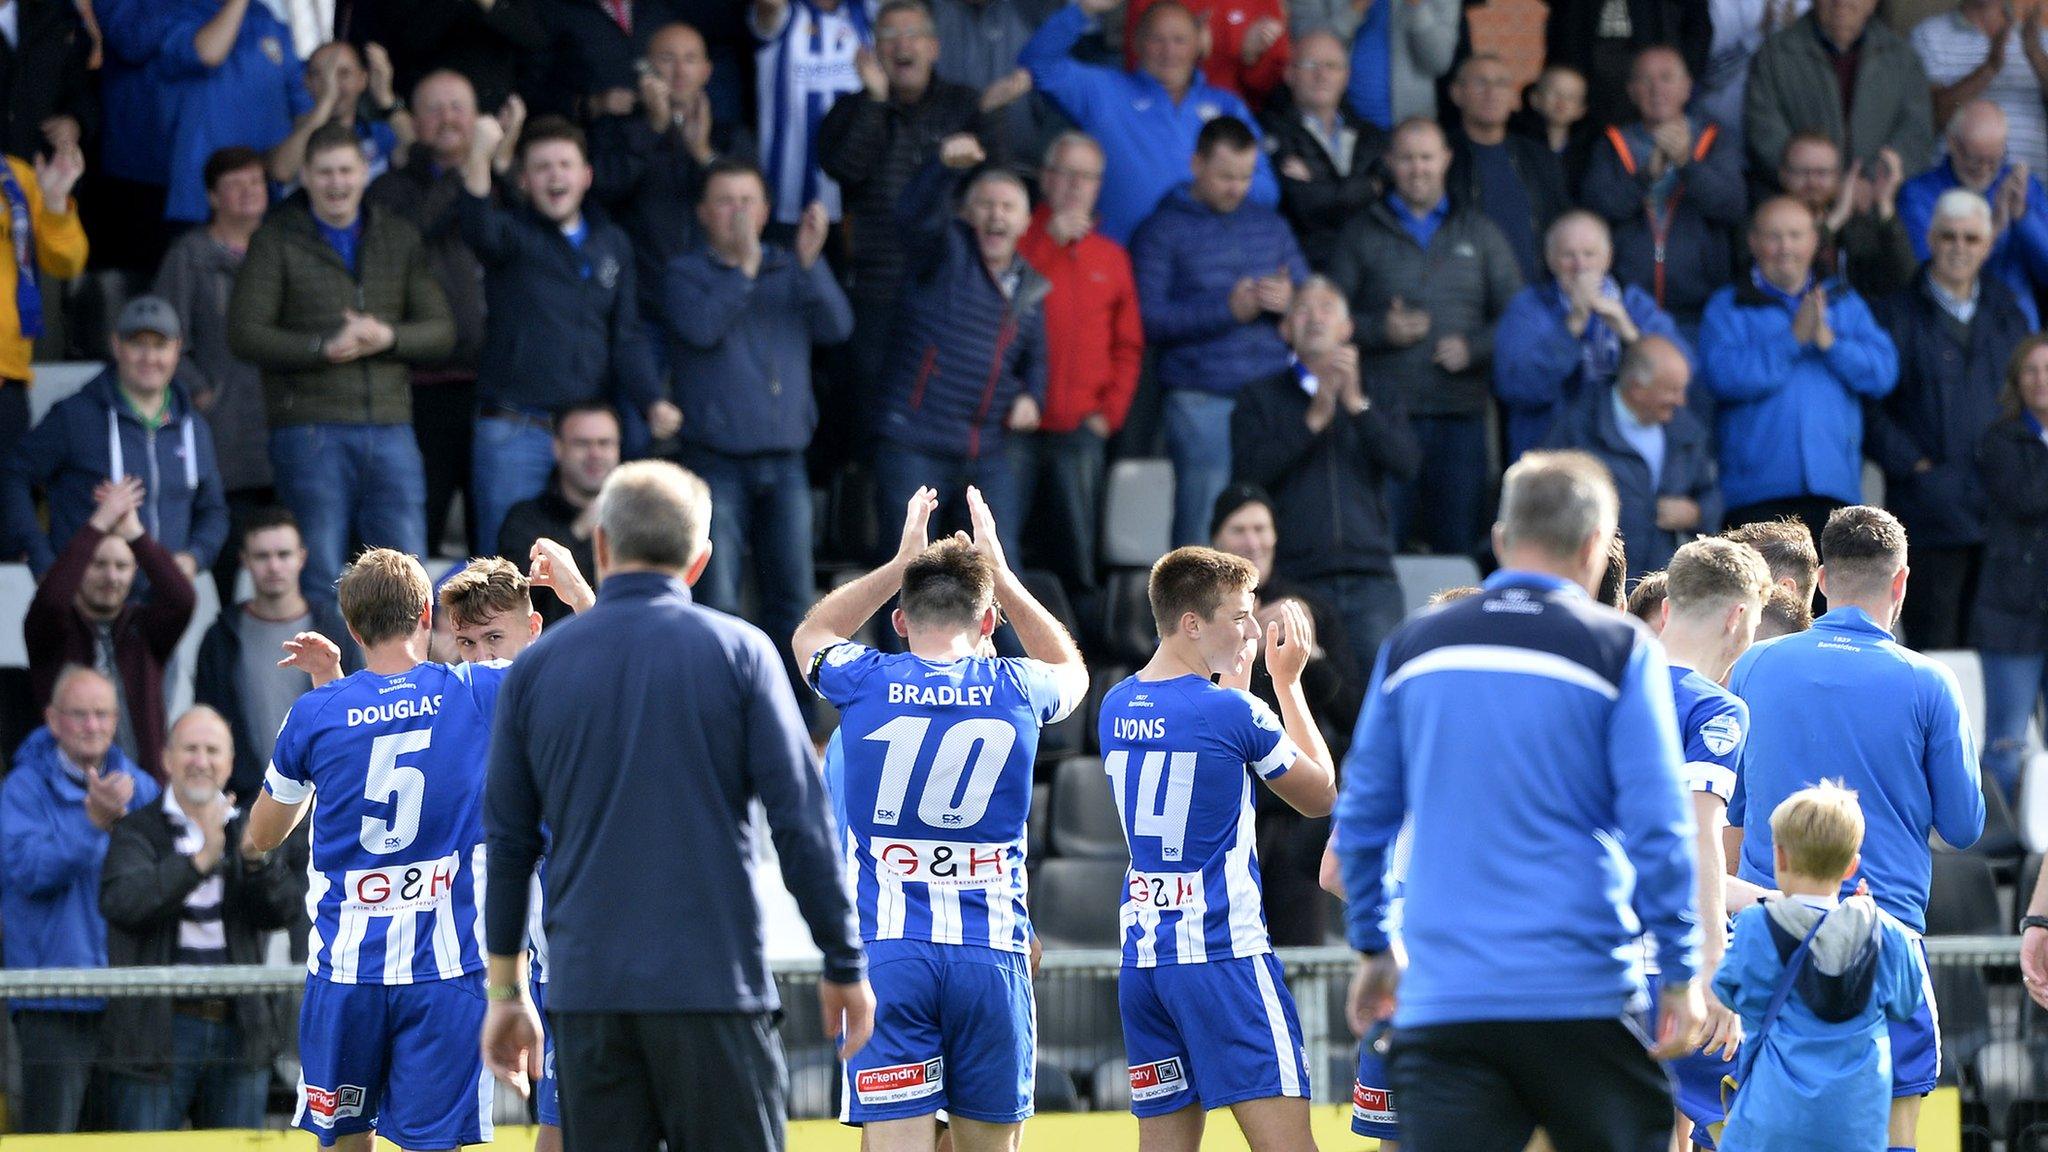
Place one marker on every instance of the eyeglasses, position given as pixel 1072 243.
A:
pixel 79 715
pixel 1319 65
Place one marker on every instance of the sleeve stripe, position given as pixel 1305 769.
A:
pixel 1279 760
pixel 283 789
pixel 1706 776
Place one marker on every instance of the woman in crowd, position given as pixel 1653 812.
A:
pixel 2011 617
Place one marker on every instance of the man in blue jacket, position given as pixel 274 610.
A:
pixel 231 77
pixel 967 366
pixel 67 787
pixel 1955 328
pixel 1977 160
pixel 133 419
pixel 563 317
pixel 1525 724
pixel 1790 359
pixel 1215 274
pixel 1658 454
pixel 742 316
pixel 1844 701
pixel 1147 120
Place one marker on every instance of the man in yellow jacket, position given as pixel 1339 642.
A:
pixel 38 219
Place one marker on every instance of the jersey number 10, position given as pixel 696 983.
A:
pixel 1166 786
pixel 984 740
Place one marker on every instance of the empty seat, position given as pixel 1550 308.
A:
pixel 1084 817
pixel 1064 738
pixel 1038 829
pixel 17 588
pixel 2023 892
pixel 1054 1090
pixel 1100 681
pixel 1078 1022
pixel 1137 513
pixel 2000 841
pixel 1424 576
pixel 1126 630
pixel 1963 1001
pixel 1969 672
pixel 1112 1086
pixel 1963 899
pixel 1047 590
pixel 1074 903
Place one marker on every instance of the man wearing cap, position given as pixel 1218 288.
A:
pixel 134 419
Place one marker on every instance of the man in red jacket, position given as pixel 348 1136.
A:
pixel 1094 347
pixel 82 614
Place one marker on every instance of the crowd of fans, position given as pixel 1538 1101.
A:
pixel 356 263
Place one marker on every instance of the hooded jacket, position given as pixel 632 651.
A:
pixel 50 856
pixel 1187 257
pixel 1819 1080
pixel 93 436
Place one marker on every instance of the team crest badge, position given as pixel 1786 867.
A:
pixel 1208 112
pixel 1721 735
pixel 273 49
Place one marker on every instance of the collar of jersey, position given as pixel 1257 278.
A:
pixel 642 585
pixel 1543 580
pixel 1852 619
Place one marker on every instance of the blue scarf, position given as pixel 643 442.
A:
pixel 1599 346
pixel 1372 80
pixel 28 295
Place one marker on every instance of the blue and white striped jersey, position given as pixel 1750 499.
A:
pixel 1177 752
pixel 936 787
pixel 1712 725
pixel 801 67
pixel 396 892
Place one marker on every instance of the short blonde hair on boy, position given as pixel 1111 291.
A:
pixel 1820 829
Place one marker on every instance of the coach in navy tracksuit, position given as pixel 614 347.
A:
pixel 663 1011
pixel 1530 735
pixel 967 364
pixel 1845 701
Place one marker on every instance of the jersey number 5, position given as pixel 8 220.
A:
pixel 984 739
pixel 1166 786
pixel 402 786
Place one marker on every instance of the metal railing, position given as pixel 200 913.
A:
pixel 1996 1040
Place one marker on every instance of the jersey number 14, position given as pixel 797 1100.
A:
pixel 1166 786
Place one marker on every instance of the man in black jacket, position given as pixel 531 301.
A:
pixel 1323 154
pixel 1587 35
pixel 1516 181
pixel 872 142
pixel 586 452
pixel 237 674
pixel 1324 443
pixel 176 889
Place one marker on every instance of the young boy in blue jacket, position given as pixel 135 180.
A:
pixel 1817 1076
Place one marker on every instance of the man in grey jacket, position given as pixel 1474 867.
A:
pixel 1428 278
pixel 1796 85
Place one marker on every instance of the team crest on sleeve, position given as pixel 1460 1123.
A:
pixel 1721 735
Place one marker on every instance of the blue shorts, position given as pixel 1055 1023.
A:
pixel 1212 1034
pixel 547 1103
pixel 400 1060
pixel 1695 1078
pixel 1372 1101
pixel 956 1030
pixel 1916 1043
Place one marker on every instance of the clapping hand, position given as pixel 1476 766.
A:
pixel 874 79
pixel 917 518
pixel 1290 641
pixel 58 175
pixel 106 796
pixel 1024 415
pixel 983 521
pixel 115 507
pixel 1275 291
pixel 378 63
pixel 961 150
pixel 1006 91
pixel 1260 37
pixel 1244 300
pixel 1453 354
pixel 1405 326
pixel 811 232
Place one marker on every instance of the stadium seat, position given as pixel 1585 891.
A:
pixel 1969 673
pixel 813 1087
pixel 185 658
pixel 18 715
pixel 1137 513
pixel 1075 903
pixel 1100 681
pixel 1111 1091
pixel 57 380
pixel 1126 629
pixel 1424 576
pixel 1084 817
pixel 1038 829
pixel 1963 998
pixel 1047 590
pixel 2023 891
pixel 17 588
pixel 2002 1075
pixel 1873 485
pixel 1054 1090
pixel 1963 899
pixel 1068 737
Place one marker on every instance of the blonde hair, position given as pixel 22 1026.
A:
pixel 487 587
pixel 1820 829
pixel 383 595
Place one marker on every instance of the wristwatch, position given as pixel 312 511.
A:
pixel 2027 922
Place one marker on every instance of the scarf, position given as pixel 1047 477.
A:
pixel 28 295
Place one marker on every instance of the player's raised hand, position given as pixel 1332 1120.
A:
pixel 849 1014
pixel 917 518
pixel 550 566
pixel 1290 641
pixel 315 655
pixel 986 541
pixel 511 1043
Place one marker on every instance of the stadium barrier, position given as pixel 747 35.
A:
pixel 1996 1049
